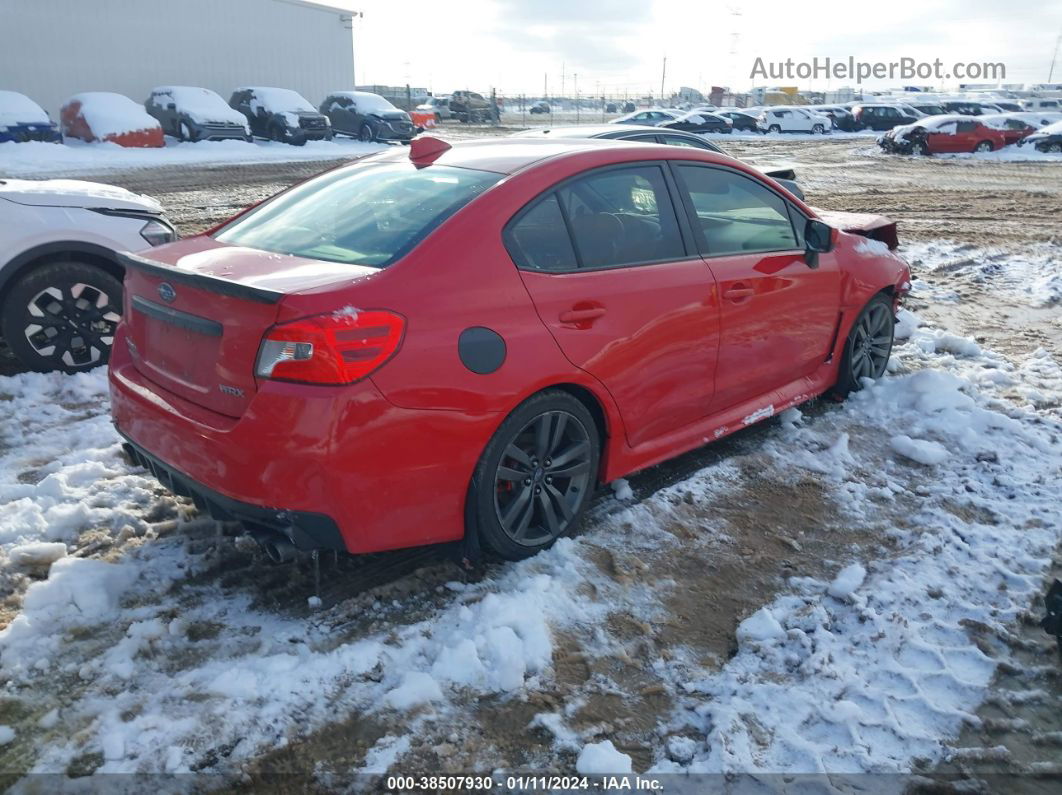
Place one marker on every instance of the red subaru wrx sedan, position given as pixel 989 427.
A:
pixel 463 342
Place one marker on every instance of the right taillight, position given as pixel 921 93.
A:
pixel 338 348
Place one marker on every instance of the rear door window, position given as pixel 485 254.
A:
pixel 735 214
pixel 621 216
pixel 539 239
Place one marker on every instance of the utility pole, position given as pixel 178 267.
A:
pixel 663 74
pixel 1054 58
pixel 576 77
pixel 562 80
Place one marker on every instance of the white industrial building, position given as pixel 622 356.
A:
pixel 52 49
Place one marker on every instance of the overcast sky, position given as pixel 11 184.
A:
pixel 617 46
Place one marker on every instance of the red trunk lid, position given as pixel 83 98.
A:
pixel 195 313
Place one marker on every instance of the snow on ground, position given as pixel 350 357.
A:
pixel 36 159
pixel 865 667
pixel 1033 275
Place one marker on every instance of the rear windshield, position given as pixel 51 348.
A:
pixel 371 214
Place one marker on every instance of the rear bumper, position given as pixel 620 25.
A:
pixel 304 529
pixel 329 467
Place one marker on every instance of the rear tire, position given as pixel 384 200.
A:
pixel 366 134
pixel 186 132
pixel 1054 148
pixel 868 347
pixel 536 475
pixel 62 316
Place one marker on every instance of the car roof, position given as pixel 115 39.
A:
pixel 509 155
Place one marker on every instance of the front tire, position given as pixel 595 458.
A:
pixel 186 132
pixel 868 347
pixel 366 134
pixel 818 129
pixel 920 149
pixel 536 475
pixel 774 128
pixel 983 146
pixel 62 316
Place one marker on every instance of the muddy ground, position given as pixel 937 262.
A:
pixel 1002 205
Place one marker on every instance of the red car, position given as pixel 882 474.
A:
pixel 441 343
pixel 105 116
pixel 939 134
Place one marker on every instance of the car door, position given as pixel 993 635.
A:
pixel 778 316
pixel 615 278
pixel 966 136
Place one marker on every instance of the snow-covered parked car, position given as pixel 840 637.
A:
pixel 189 113
pixel 1046 139
pixel 793 119
pixel 60 279
pixel 367 116
pixel 105 116
pixel 22 119
pixel 648 118
pixel 281 114
pixel 941 134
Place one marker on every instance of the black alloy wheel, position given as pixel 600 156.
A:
pixel 869 345
pixel 537 475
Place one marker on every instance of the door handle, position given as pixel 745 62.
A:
pixel 582 315
pixel 737 293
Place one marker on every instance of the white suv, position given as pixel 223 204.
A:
pixel 793 119
pixel 60 282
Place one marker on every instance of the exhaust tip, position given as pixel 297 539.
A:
pixel 279 551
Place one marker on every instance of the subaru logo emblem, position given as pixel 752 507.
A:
pixel 167 293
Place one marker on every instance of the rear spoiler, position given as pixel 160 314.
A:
pixel 875 227
pixel 212 283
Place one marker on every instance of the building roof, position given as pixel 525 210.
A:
pixel 334 6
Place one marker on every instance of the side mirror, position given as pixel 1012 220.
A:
pixel 818 238
pixel 781 173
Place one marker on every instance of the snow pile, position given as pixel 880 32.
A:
pixel 921 450
pixel 61 467
pixel 16 108
pixel 200 104
pixel 602 759
pixel 111 114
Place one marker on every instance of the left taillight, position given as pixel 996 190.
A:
pixel 337 348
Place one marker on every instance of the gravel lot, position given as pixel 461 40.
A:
pixel 979 235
